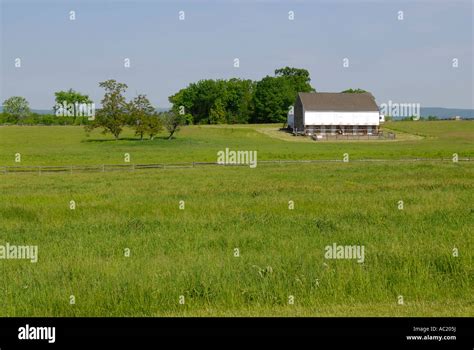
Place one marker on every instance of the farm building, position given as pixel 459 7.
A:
pixel 335 113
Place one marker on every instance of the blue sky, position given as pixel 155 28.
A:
pixel 407 61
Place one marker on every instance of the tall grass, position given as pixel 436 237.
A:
pixel 190 252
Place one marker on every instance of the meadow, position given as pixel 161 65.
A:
pixel 191 252
pixel 70 145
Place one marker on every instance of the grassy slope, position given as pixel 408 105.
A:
pixel 190 252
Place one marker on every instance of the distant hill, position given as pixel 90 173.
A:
pixel 50 111
pixel 445 113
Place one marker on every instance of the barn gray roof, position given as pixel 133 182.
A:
pixel 338 102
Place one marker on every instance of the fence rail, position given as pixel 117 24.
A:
pixel 48 169
pixel 375 136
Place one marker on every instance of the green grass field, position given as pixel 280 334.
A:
pixel 64 145
pixel 190 252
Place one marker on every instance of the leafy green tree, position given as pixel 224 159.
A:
pixel 274 95
pixel 217 114
pixel 207 91
pixel 183 101
pixel 272 98
pixel 17 107
pixel 238 101
pixel 354 91
pixel 154 125
pixel 172 122
pixel 112 117
pixel 70 97
pixel 140 110
pixel 188 119
pixel 298 77
pixel 242 101
pixel 199 98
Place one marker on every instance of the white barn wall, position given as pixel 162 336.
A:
pixel 341 118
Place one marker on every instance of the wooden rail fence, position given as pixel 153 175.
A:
pixel 42 169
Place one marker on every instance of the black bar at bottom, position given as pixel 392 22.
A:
pixel 448 333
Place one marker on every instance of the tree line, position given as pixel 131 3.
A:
pixel 208 101
pixel 115 114
pixel 239 101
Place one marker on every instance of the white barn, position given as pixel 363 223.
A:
pixel 335 113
